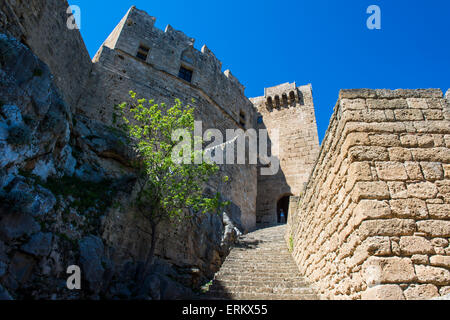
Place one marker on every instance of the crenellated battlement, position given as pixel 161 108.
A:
pixel 139 51
pixel 168 50
pixel 284 95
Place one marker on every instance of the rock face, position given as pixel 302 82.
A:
pixel 62 176
pixel 35 121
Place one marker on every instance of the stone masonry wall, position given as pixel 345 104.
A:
pixel 42 26
pixel 290 110
pixel 374 222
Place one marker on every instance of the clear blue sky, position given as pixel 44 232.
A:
pixel 322 42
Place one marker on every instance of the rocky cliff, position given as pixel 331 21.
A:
pixel 65 186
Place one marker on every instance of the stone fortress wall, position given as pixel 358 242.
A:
pixel 219 98
pixel 289 110
pixel 374 222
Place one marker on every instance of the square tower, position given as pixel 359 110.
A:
pixel 287 112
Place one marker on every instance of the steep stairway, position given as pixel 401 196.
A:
pixel 260 267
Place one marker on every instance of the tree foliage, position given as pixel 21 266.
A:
pixel 167 187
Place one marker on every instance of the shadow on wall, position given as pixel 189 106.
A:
pixel 271 190
pixel 283 208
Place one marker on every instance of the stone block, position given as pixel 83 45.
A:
pixel 415 245
pixel 17 225
pixel 417 103
pixel 446 168
pixel 372 209
pixel 408 115
pixel 40 244
pixel 358 171
pixel 413 171
pixel 387 103
pixel 425 141
pixel 409 208
pixel 431 155
pixel 364 153
pixel 444 291
pixel 434 228
pixel 388 227
pixel 399 154
pixel 397 190
pixel 373 246
pixel 384 140
pixel 91 258
pixel 21 267
pixel 421 292
pixel 357 94
pixel 409 140
pixel 422 190
pixel 380 270
pixel 432 170
pixel 383 292
pixel 391 171
pixel 439 211
pixel 440 261
pixel 420 259
pixel 353 104
pixel 433 275
pixel 440 242
pixel 377 190
pixel 433 115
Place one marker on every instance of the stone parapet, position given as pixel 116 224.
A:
pixel 374 220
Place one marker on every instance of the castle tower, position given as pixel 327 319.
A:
pixel 289 110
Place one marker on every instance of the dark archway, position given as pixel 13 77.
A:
pixel 283 204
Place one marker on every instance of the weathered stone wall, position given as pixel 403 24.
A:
pixel 42 26
pixel 218 97
pixel 290 110
pixel 374 222
pixel 169 50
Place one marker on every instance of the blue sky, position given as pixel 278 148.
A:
pixel 322 42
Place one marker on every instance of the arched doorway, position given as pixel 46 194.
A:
pixel 283 205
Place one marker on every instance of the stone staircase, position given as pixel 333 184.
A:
pixel 260 267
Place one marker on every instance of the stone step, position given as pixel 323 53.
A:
pixel 258 274
pixel 257 289
pixel 252 266
pixel 259 279
pixel 263 296
pixel 259 258
pixel 256 283
pixel 255 265
pixel 275 272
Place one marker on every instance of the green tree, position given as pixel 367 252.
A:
pixel 166 186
